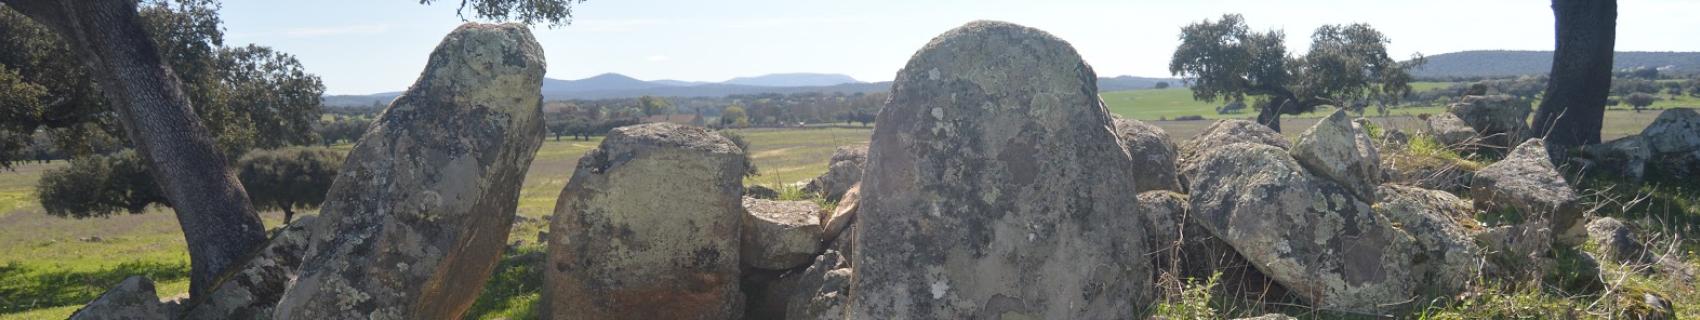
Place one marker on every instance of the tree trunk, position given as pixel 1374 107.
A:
pixel 1574 107
pixel 218 223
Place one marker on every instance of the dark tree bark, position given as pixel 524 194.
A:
pixel 1574 107
pixel 218 222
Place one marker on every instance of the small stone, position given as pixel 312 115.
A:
pixel 1336 149
pixel 843 170
pixel 780 235
pixel 1617 242
pixel 1526 184
pixel 1153 153
pixel 1452 131
pixel 132 299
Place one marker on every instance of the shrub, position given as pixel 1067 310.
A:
pixel 99 186
pixel 290 178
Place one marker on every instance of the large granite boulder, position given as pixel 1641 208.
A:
pixel 1674 138
pixel 1226 132
pixel 1452 131
pixel 779 235
pixel 996 188
pixel 1153 155
pixel 132 299
pixel 843 170
pixel 1441 224
pixel 1625 158
pixel 1310 234
pixel 1617 242
pixel 1499 120
pixel 821 292
pixel 1335 148
pixel 1526 186
pixel 419 214
pixel 648 227
pixel 253 290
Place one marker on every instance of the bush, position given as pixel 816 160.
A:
pixel 290 178
pixel 1189 118
pixel 99 186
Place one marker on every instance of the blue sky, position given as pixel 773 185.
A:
pixel 367 46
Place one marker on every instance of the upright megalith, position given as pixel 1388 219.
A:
pixel 417 219
pixel 648 228
pixel 995 188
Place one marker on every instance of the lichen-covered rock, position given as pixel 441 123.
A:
pixel 1526 184
pixel 1226 132
pixel 1441 224
pixel 254 289
pixel 780 235
pixel 1616 241
pixel 822 290
pixel 843 171
pixel 1517 251
pixel 618 251
pixel 132 299
pixel 1625 157
pixel 1452 131
pixel 1499 120
pixel 836 224
pixel 996 188
pixel 417 218
pixel 1336 149
pixel 1308 233
pixel 1153 155
pixel 1674 138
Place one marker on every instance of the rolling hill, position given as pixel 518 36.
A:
pixel 1474 64
pixel 793 80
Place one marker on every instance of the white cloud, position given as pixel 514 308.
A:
pixel 657 58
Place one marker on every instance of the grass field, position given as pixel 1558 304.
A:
pixel 1166 104
pixel 49 266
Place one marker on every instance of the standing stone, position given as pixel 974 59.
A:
pixel 1525 184
pixel 1153 155
pixel 417 218
pixel 996 188
pixel 648 228
pixel 779 235
pixel 1336 149
pixel 1674 138
pixel 1437 219
pixel 132 299
pixel 1308 233
pixel 254 290
pixel 843 170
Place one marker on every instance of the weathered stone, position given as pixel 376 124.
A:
pixel 1226 132
pixel 1526 185
pixel 253 290
pixel 1153 155
pixel 1517 251
pixel 843 171
pixel 617 251
pixel 132 299
pixel 835 224
pixel 1309 234
pixel 1625 157
pixel 1441 224
pixel 1336 149
pixel 1617 242
pixel 996 188
pixel 821 291
pixel 417 218
pixel 1183 250
pixel 1452 131
pixel 780 235
pixel 1674 138
pixel 1499 120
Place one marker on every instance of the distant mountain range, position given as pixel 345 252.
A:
pixel 614 85
pixel 1472 64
